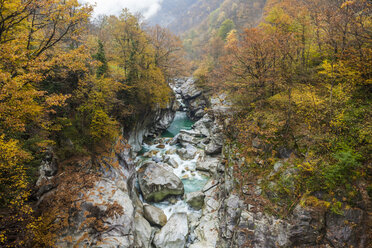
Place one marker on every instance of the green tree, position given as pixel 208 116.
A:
pixel 101 57
pixel 225 28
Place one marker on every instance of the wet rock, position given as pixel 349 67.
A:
pixel 160 146
pixel 174 140
pixel 187 153
pixel 152 122
pixel 156 159
pixel 173 163
pixel 143 232
pixel 171 151
pixel 174 233
pixel 195 199
pixel 154 215
pixel 172 200
pixel 156 183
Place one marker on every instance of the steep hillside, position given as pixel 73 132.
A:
pixel 182 16
pixel 171 11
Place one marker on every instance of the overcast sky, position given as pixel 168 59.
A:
pixel 113 7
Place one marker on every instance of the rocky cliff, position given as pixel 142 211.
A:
pixel 106 211
pixel 151 123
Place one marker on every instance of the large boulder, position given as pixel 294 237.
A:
pixel 189 152
pixel 209 164
pixel 189 90
pixel 195 199
pixel 105 197
pixel 215 145
pixel 174 233
pixel 143 232
pixel 188 137
pixel 156 183
pixel 154 215
pixel 203 125
pixel 208 230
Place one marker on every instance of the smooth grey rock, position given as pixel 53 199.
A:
pixel 143 232
pixel 208 229
pixel 187 138
pixel 173 163
pixel 202 244
pixel 156 183
pixel 189 90
pixel 213 148
pixel 195 199
pixel 174 233
pixel 156 159
pixel 204 125
pixel 189 152
pixel 199 113
pixel 151 122
pixel 209 164
pixel 120 226
pixel 154 215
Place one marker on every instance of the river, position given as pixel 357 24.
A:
pixel 158 149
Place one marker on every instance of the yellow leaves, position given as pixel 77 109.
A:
pixel 312 201
pixel 307 166
pixel 102 126
pixel 13 177
pixel 18 105
pixel 56 100
pixel 347 4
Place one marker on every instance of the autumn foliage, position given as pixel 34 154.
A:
pixel 69 85
pixel 300 83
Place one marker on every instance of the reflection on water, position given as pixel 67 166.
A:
pixel 181 121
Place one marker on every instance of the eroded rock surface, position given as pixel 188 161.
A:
pixel 154 215
pixel 174 233
pixel 156 183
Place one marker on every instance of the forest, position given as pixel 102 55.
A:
pixel 70 85
pixel 301 84
pixel 297 72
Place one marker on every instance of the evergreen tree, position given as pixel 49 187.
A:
pixel 100 56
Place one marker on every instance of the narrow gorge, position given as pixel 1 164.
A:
pixel 185 123
pixel 175 190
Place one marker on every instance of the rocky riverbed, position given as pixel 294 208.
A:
pixel 173 191
pixel 176 175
